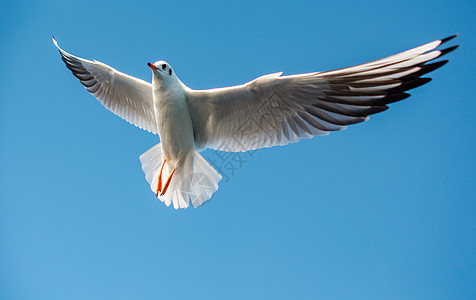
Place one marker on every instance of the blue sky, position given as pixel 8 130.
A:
pixel 383 210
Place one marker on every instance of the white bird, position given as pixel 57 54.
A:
pixel 268 111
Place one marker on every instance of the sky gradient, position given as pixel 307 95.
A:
pixel 383 210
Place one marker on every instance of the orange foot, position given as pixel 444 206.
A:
pixel 159 182
pixel 167 183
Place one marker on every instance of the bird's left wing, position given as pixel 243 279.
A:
pixel 128 97
pixel 277 110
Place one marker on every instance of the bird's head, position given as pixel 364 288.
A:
pixel 162 71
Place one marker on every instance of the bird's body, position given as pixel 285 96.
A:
pixel 174 124
pixel 177 147
pixel 268 111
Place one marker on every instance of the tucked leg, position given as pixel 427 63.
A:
pixel 159 181
pixel 167 183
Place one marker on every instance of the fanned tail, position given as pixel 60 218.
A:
pixel 196 183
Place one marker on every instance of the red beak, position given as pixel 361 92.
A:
pixel 152 66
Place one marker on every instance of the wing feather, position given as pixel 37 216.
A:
pixel 128 97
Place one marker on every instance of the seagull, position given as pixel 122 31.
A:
pixel 270 110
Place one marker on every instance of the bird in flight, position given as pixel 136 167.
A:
pixel 270 110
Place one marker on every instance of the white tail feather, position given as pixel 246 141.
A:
pixel 197 184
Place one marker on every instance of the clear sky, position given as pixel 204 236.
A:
pixel 383 210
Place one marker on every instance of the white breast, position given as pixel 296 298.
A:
pixel 174 123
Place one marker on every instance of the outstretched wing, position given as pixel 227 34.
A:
pixel 128 97
pixel 277 110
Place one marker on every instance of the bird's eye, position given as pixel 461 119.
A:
pixel 164 66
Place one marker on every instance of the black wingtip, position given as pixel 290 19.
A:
pixel 411 84
pixel 392 98
pixel 448 50
pixel 428 68
pixel 448 38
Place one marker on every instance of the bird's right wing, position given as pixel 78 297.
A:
pixel 128 97
pixel 277 110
